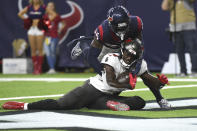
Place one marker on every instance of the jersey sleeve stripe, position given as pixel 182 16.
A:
pixel 139 24
pixel 101 32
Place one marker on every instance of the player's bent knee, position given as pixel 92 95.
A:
pixel 137 103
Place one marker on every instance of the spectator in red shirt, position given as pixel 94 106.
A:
pixel 51 36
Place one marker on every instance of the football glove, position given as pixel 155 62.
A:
pixel 163 79
pixel 164 104
pixel 132 80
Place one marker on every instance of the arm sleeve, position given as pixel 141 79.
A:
pixel 153 84
pixel 143 68
pixel 99 33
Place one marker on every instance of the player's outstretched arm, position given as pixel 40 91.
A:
pixel 155 84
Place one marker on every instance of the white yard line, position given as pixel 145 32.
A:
pixel 166 87
pixel 174 103
pixel 30 97
pixel 78 79
pixel 42 79
pixel 59 95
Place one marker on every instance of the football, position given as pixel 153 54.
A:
pixel 123 77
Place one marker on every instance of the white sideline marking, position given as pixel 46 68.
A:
pixel 46 119
pixel 166 87
pixel 174 103
pixel 78 79
pixel 43 79
pixel 59 95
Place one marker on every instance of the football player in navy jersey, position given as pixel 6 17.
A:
pixel 119 26
pixel 102 91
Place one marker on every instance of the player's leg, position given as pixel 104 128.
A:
pixel 134 102
pixel 92 58
pixel 115 102
pixel 73 100
pixel 80 97
pixel 90 54
pixel 48 104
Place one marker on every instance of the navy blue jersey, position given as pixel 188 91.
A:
pixel 36 14
pixel 107 37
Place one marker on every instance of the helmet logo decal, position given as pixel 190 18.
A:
pixel 110 19
pixel 122 24
pixel 131 48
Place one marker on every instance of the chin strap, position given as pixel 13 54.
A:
pixel 125 65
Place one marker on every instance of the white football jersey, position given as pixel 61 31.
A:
pixel 100 82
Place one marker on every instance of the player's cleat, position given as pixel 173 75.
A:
pixel 117 106
pixel 76 51
pixel 13 105
pixel 164 104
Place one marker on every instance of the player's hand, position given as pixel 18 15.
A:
pixel 163 79
pixel 164 104
pixel 132 80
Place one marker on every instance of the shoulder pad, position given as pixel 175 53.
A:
pixel 110 59
pixel 99 33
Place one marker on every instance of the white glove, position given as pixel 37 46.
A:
pixel 164 104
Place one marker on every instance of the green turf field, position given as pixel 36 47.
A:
pixel 9 89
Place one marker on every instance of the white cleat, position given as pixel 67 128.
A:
pixel 76 51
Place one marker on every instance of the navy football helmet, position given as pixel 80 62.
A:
pixel 131 53
pixel 118 18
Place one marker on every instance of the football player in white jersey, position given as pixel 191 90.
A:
pixel 102 92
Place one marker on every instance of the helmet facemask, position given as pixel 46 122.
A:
pixel 131 53
pixel 120 28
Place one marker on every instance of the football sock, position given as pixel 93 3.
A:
pixel 25 106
